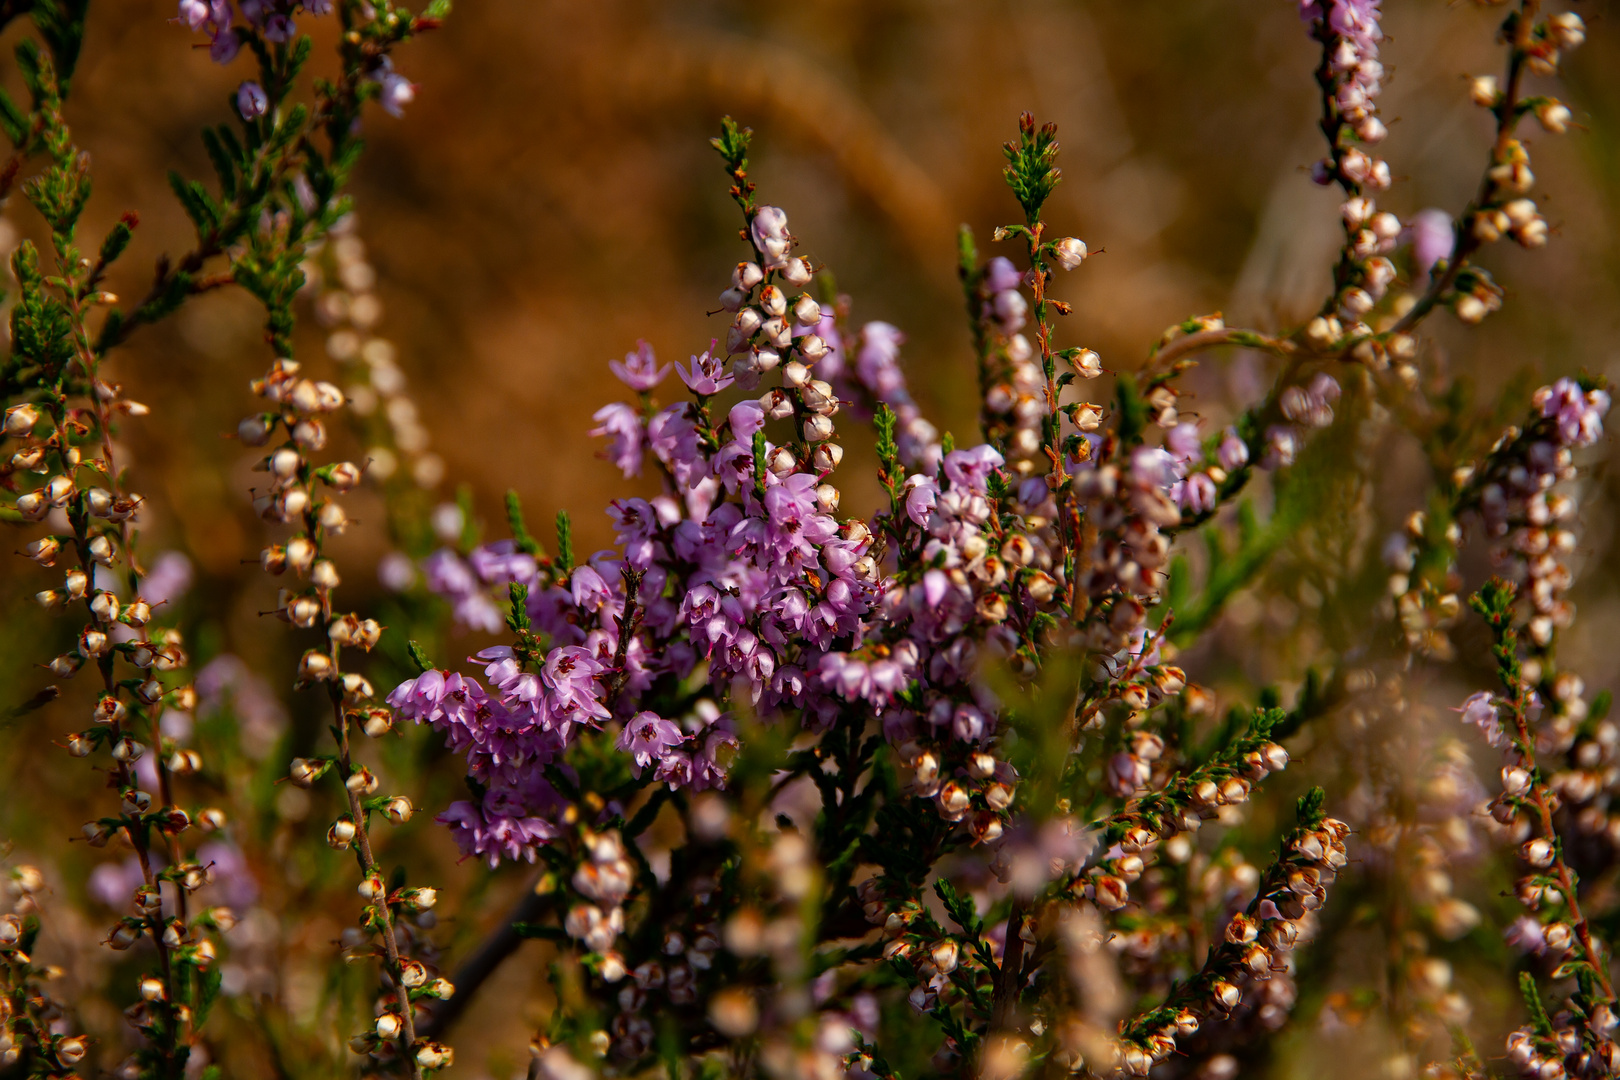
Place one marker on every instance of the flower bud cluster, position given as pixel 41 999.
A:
pixel 1256 945
pixel 304 495
pixel 343 282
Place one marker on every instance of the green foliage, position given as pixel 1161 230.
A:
pixel 520 532
pixel 565 542
pixel 419 658
pixel 1032 170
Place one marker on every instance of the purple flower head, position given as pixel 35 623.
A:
pixel 770 235
pixel 647 736
pixel 168 579
pixel 253 11
pixel 1197 494
pixel 318 7
pixel 279 28
pixel 502 563
pixel 971 468
pixel 194 13
pixel 1183 443
pixel 640 370
pixel 1480 710
pixel 251 101
pixel 1578 414
pixel 1282 443
pixel 746 417
pixel 622 424
pixel 1000 275
pixel 225 46
pixel 708 373
pixel 1233 452
pixel 570 676
pixel 419 698
pixel 1152 467
pixel 397 92
pixel 1431 235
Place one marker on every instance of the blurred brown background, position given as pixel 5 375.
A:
pixel 550 197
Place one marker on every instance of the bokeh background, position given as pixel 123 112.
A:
pixel 550 197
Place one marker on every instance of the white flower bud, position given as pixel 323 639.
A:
pixel 324 575
pixel 746 276
pixel 1484 91
pixel 1069 252
pixel 733 300
pixel 99 502
pixel 59 490
pixel 827 457
pixel 20 420
pixel 806 312
pixel 773 302
pixel 812 347
pixel 310 434
pixel 332 517
pixel 105 607
pixel 254 430
pixel 398 810
pixel 341 834
pixel 1555 116
pixel 33 505
pixel 361 781
pixel 817 429
pixel 796 272
pixel 1087 363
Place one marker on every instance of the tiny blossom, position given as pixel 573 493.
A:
pixel 640 369
pixel 251 101
pixel 706 374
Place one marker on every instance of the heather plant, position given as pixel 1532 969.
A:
pixel 939 785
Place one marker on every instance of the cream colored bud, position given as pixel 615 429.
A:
pixel 361 781
pixel 323 574
pixel 1069 252
pixel 806 312
pixel 817 429
pixel 285 463
pixel 300 554
pixel 315 666
pixel 254 430
pixel 20 420
pixel 332 517
pixel 398 810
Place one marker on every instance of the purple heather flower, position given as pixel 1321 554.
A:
pixel 640 370
pixel 1197 494
pixel 1432 237
pixel 770 235
pixel 279 28
pixel 1578 414
pixel 194 13
pixel 1183 443
pixel 570 676
pixel 225 46
pixel 647 736
pixel 397 92
pixel 168 579
pixel 1480 710
pixel 1233 452
pixel 623 424
pixel 1000 275
pixel 707 375
pixel 251 101
pixel 971 468
pixel 318 7
pixel 1282 443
